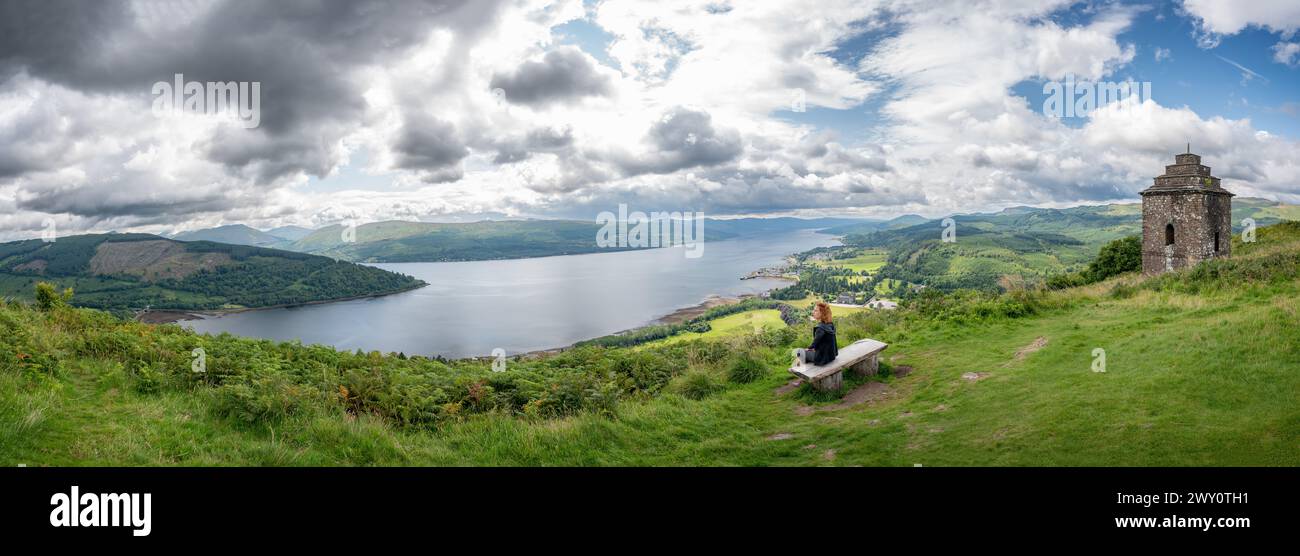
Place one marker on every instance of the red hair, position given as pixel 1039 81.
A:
pixel 824 310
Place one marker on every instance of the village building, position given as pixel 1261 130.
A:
pixel 882 304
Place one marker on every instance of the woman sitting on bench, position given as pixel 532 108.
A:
pixel 823 349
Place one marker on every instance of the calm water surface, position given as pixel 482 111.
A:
pixel 471 308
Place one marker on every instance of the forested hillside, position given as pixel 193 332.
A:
pixel 134 271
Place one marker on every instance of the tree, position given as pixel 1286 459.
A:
pixel 1114 258
pixel 48 296
pixel 1117 257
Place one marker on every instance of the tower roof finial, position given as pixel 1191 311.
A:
pixel 1189 148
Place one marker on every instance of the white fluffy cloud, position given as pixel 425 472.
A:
pixel 1286 53
pixel 457 107
pixel 1226 17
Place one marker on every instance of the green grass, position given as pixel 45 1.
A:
pixel 869 260
pixel 1192 379
pixel 1184 386
pixel 730 325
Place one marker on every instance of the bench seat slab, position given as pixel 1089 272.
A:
pixel 862 357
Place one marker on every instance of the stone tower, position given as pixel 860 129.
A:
pixel 1186 217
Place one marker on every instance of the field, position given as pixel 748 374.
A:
pixel 1200 369
pixel 747 322
pixel 869 260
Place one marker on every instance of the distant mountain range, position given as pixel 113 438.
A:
pixel 235 234
pixel 395 242
pixel 290 233
pixel 118 271
pixel 399 241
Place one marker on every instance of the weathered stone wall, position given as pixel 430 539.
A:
pixel 1196 217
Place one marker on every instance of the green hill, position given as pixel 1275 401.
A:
pixel 396 242
pixel 234 234
pixel 121 271
pixel 1033 243
pixel 290 233
pixel 1201 369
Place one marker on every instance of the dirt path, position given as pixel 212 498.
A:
pixel 865 393
pixel 1037 344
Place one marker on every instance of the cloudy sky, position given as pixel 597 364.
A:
pixel 449 109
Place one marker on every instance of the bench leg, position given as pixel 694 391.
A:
pixel 830 383
pixel 867 367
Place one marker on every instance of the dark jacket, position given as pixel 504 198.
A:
pixel 823 344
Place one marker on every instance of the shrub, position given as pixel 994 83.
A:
pixel 706 353
pixel 777 337
pixel 259 400
pixel 647 372
pixel 147 379
pixel 1115 258
pixel 1122 291
pixel 746 369
pixel 698 385
pixel 699 326
pixel 48 296
pixel 1064 281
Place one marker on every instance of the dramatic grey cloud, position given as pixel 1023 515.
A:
pixel 374 110
pixel 431 145
pixel 541 140
pixel 682 138
pixel 562 74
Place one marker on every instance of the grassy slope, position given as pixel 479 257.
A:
pixel 1209 378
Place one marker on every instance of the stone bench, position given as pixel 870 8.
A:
pixel 862 357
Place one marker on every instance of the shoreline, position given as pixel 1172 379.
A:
pixel 677 316
pixel 684 314
pixel 172 316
